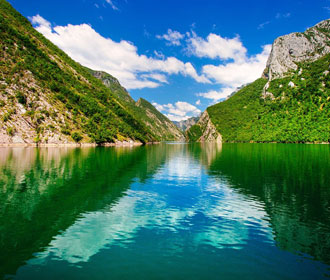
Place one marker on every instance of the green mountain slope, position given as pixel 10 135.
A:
pixel 48 97
pixel 291 106
pixel 299 110
pixel 159 125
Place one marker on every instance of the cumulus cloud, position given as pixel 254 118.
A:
pixel 236 67
pixel 172 37
pixel 178 111
pixel 217 95
pixel 239 72
pixel 215 46
pixel 121 59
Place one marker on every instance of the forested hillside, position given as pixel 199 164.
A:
pixel 160 126
pixel 291 106
pixel 297 111
pixel 46 97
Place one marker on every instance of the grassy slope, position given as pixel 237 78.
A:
pixel 86 106
pixel 234 117
pixel 296 114
pixel 159 125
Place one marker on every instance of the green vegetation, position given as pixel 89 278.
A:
pixel 85 104
pixel 21 97
pixel 159 125
pixel 234 117
pixel 76 137
pixel 299 110
pixel 194 133
pixel 10 131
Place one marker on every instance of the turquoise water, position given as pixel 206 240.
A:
pixel 169 211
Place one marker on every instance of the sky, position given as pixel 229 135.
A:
pixel 180 55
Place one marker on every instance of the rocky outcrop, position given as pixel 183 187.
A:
pixel 293 48
pixel 287 51
pixel 209 132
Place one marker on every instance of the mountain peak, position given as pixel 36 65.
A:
pixel 288 50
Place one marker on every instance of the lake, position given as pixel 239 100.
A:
pixel 168 211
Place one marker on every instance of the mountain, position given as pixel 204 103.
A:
pixel 46 97
pixel 186 124
pixel 289 103
pixel 160 126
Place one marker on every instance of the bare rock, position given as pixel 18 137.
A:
pixel 290 49
pixel 210 133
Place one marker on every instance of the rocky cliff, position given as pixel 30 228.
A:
pixel 209 132
pixel 204 130
pixel 287 51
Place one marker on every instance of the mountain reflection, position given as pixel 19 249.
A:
pixel 209 211
pixel 171 204
pixel 293 184
pixel 44 191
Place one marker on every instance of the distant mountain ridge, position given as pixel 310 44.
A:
pixel 186 124
pixel 290 103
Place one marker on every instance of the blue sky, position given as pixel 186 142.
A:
pixel 181 55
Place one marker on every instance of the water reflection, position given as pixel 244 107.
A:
pixel 214 214
pixel 44 191
pixel 196 209
pixel 293 184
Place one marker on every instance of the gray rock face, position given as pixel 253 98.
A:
pixel 210 133
pixel 290 49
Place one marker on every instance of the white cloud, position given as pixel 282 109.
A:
pixel 262 25
pixel 159 55
pixel 157 77
pixel 121 59
pixel 285 15
pixel 113 6
pixel 217 95
pixel 172 37
pixel 179 111
pixel 236 73
pixel 242 69
pixel 198 102
pixel 216 46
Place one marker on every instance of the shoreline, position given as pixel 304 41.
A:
pixel 73 145
pixel 127 144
